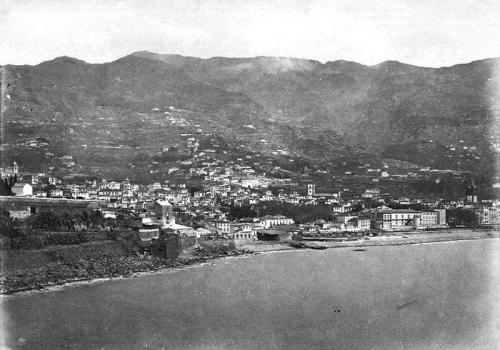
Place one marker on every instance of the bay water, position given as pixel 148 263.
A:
pixel 429 296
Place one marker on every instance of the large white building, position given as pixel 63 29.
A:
pixel 407 219
pixel 22 189
pixel 352 223
pixel 269 221
pixel 240 231
pixel 395 219
pixel 426 219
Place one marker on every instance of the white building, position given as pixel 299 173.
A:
pixel 426 219
pixel 22 189
pixel 407 219
pixel 270 221
pixel 396 219
pixel 56 192
pixel 488 216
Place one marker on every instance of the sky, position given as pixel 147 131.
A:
pixel 431 33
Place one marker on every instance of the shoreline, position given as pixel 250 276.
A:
pixel 52 277
pixel 394 239
pixel 83 282
pixel 261 247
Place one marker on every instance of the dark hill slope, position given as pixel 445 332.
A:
pixel 392 110
pixel 130 82
pixel 387 108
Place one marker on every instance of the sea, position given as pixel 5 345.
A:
pixel 428 296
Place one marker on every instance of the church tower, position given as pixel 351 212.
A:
pixel 471 192
pixel 311 190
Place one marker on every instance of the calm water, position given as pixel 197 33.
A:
pixel 434 296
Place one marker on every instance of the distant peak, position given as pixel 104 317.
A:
pixel 146 54
pixel 393 64
pixel 64 60
pixel 137 58
pixel 143 52
pixel 390 63
pixel 68 59
pixel 344 63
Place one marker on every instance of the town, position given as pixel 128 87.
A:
pixel 225 174
pixel 234 202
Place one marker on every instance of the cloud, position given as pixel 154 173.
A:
pixel 272 65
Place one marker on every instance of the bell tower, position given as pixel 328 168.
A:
pixel 471 192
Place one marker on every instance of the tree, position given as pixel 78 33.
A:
pixel 357 207
pixel 6 185
pixel 8 229
pixel 461 216
pixel 246 211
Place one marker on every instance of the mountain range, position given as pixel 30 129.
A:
pixel 431 117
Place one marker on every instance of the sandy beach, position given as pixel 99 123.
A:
pixel 396 238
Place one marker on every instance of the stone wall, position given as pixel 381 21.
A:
pixel 12 260
pixel 170 246
pixel 218 243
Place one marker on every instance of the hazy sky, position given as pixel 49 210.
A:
pixel 421 32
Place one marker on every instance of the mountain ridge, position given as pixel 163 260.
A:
pixel 144 53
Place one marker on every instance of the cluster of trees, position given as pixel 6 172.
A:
pixel 66 221
pixel 124 221
pixel 245 211
pixel 297 165
pixel 413 206
pixel 6 185
pixel 462 217
pixel 21 235
pixel 8 227
pixel 87 219
pixel 172 155
pixel 445 187
pixel 299 213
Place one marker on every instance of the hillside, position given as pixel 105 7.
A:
pixel 107 113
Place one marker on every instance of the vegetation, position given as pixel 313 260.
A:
pixel 462 217
pixel 66 221
pixel 415 127
pixel 49 229
pixel 80 221
pixel 413 206
pixel 8 228
pixel 299 213
pixel 6 185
